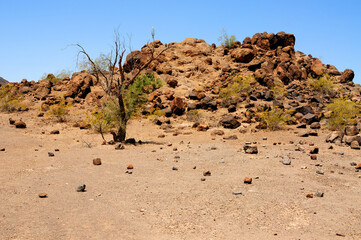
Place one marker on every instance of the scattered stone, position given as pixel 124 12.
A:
pixel 12 121
pixel 286 160
pixel 217 132
pixel 84 126
pixel 264 138
pixel 358 166
pixel 206 173
pixel 50 154
pixel 43 195
pixel 55 132
pixel 130 166
pixel 237 192
pixel 302 125
pixel 203 179
pixel 355 145
pixel 97 161
pixel 250 149
pixel 320 172
pixel 229 122
pixel 161 136
pixel 352 130
pixel 169 144
pixel 247 180
pixel 2 149
pixel 340 235
pixel 353 164
pixel 305 134
pixel 174 168
pixel 56 150
pixel 315 125
pixel 231 137
pixel 313 157
pixel 20 124
pixel 309 195
pixel 319 194
pixel 81 188
pixel 129 172
pixel 314 150
pixel 119 147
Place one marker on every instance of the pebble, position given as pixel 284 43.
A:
pixel 119 147
pixel 203 179
pixel 237 192
pixel 320 172
pixel 81 188
pixel 247 180
pixel 43 195
pixel 358 166
pixel 309 195
pixel 319 194
pixel 97 161
pixel 130 166
pixel 286 160
pixel 129 172
pixel 2 149
pixel 313 157
pixel 314 150
pixel 207 173
pixel 174 168
pixel 353 164
pixel 51 154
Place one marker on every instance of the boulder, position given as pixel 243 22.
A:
pixel 178 106
pixel 243 55
pixel 229 121
pixel 347 76
pixel 352 130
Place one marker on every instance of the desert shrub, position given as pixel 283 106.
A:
pixel 10 101
pixel 59 111
pixel 278 90
pixel 240 84
pixel 136 94
pixel 101 62
pixel 324 84
pixel 54 79
pixel 343 113
pixel 275 119
pixel 156 112
pixel 225 40
pixel 107 117
pixel 194 116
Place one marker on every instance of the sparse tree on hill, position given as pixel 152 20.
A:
pixel 115 82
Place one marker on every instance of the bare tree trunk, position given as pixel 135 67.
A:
pixel 120 134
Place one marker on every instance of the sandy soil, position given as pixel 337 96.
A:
pixel 156 202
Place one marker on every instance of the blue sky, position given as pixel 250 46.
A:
pixel 35 35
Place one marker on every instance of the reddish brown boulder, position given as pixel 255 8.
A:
pixel 347 76
pixel 317 67
pixel 247 180
pixel 243 55
pixel 79 85
pixel 20 124
pixel 178 106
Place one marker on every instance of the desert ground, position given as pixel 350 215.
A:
pixel 165 197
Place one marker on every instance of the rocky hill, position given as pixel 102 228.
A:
pixel 196 73
pixel 3 81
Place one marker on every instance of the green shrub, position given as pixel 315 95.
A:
pixel 136 94
pixel 343 113
pixel 59 111
pixel 225 40
pixel 108 117
pixel 10 101
pixel 275 119
pixel 240 84
pixel 324 84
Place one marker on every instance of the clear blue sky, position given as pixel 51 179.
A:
pixel 35 35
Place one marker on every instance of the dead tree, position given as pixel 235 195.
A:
pixel 114 82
